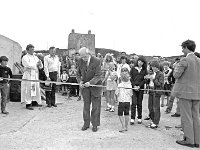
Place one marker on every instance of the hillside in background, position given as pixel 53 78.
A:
pixel 104 51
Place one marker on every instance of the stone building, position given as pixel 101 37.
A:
pixel 12 50
pixel 77 40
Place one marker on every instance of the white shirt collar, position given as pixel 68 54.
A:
pixel 190 53
pixel 88 62
pixel 30 55
pixel 139 69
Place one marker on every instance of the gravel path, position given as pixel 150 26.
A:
pixel 59 129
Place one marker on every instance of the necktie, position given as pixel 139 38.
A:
pixel 86 68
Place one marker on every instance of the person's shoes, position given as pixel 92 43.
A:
pixel 35 104
pixel 112 110
pixel 196 145
pixel 49 105
pixel 184 143
pixel 79 98
pixel 132 122
pixel 175 115
pixel 54 105
pixel 149 125
pixel 122 130
pixel 107 109
pixel 84 128
pixel 139 121
pixel 38 105
pixel 153 126
pixel 147 118
pixel 178 126
pixel 94 129
pixel 29 108
pixel 5 112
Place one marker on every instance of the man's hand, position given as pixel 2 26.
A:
pixel 87 84
pixel 136 88
pixel 146 77
pixel 81 84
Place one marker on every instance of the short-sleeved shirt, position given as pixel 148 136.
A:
pixel 124 95
pixel 5 72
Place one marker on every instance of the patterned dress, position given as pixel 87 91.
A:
pixel 112 84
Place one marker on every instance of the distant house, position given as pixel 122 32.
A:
pixel 12 50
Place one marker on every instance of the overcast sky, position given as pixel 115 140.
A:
pixel 147 27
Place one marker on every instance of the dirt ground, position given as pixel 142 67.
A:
pixel 60 129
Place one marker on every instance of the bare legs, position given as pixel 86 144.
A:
pixel 124 122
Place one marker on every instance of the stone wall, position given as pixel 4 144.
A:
pixel 12 50
pixel 77 40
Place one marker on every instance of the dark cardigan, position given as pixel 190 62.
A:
pixel 137 78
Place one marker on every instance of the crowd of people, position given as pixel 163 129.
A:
pixel 122 82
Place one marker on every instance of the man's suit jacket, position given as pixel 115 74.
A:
pixel 91 74
pixel 187 75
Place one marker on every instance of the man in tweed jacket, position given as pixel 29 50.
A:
pixel 187 89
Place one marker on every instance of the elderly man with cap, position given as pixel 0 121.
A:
pixel 88 74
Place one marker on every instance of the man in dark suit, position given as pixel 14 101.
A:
pixel 187 89
pixel 89 73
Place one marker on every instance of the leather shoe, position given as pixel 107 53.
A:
pixel 184 143
pixel 175 115
pixel 5 112
pixel 178 126
pixel 38 105
pixel 147 118
pixel 196 145
pixel 49 105
pixel 54 105
pixel 94 129
pixel 84 128
pixel 29 108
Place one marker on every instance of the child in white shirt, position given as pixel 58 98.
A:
pixel 64 77
pixel 124 94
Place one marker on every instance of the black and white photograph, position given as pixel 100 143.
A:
pixel 99 74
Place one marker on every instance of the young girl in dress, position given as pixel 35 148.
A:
pixel 111 82
pixel 124 94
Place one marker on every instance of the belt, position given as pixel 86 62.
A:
pixel 54 72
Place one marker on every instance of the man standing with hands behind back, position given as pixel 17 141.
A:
pixel 89 73
pixel 187 89
pixel 52 72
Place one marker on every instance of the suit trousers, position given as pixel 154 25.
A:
pixel 170 104
pixel 88 98
pixel 50 95
pixel 190 120
pixel 137 102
